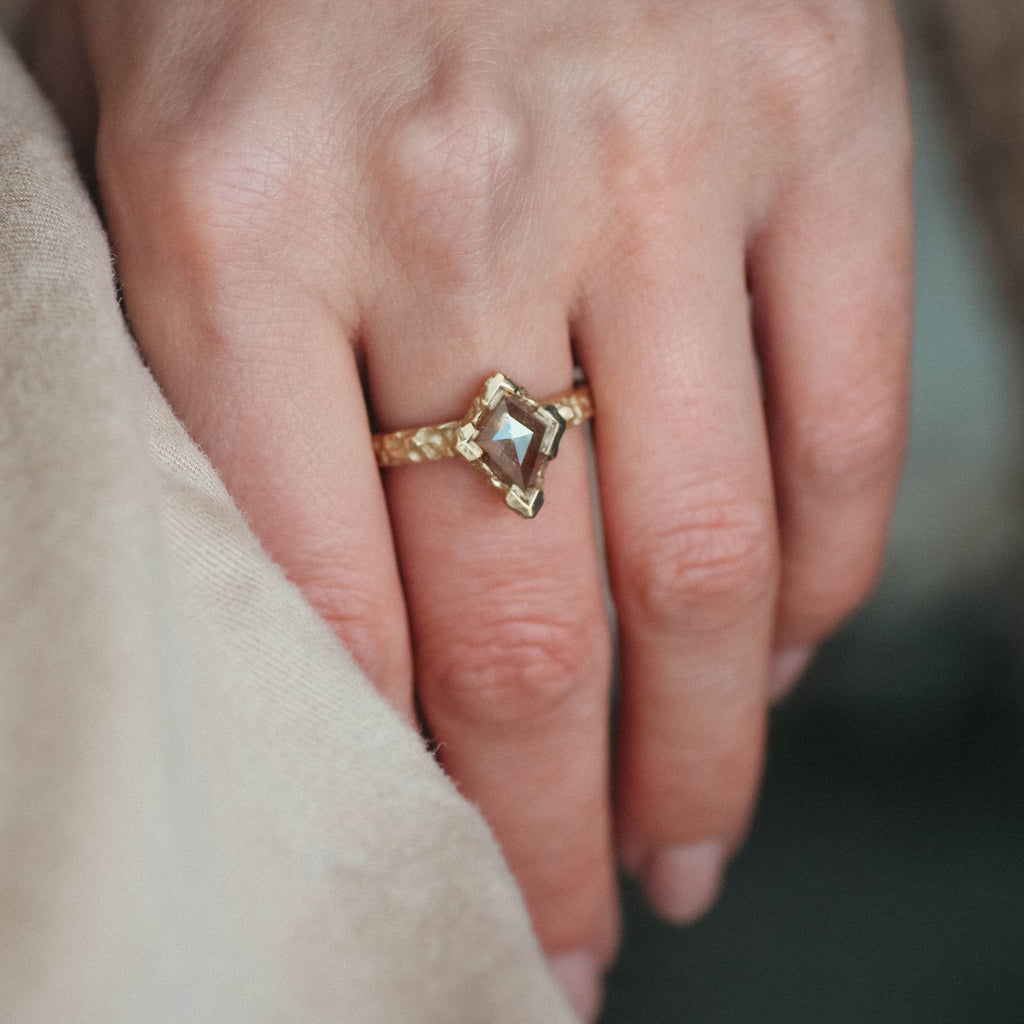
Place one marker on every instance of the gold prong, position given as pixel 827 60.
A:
pixel 494 384
pixel 524 503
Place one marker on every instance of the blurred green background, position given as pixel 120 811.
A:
pixel 884 877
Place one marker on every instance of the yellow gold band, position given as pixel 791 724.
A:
pixel 505 434
pixel 430 444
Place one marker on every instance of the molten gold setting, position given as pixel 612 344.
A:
pixel 505 434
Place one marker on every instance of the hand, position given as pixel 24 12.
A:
pixel 704 203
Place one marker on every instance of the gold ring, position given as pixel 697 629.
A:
pixel 505 434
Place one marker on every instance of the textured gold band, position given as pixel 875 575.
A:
pixel 429 444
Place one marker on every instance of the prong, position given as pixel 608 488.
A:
pixel 524 503
pixel 554 433
pixel 469 450
pixel 495 384
pixel 465 444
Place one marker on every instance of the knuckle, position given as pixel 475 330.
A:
pixel 517 670
pixel 809 50
pixel 823 60
pixel 449 169
pixel 707 570
pixel 208 192
pixel 454 149
pixel 812 608
pixel 647 93
pixel 350 599
pixel 856 443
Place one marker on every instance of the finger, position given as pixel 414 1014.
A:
pixel 260 370
pixel 686 493
pixel 512 648
pixel 831 280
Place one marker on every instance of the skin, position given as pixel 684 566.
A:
pixel 320 208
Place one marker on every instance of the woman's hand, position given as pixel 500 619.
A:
pixel 705 203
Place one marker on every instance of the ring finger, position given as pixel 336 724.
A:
pixel 510 636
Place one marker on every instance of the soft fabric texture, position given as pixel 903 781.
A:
pixel 206 812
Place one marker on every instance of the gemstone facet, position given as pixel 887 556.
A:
pixel 510 436
pixel 510 439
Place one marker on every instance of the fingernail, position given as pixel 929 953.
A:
pixel 683 881
pixel 580 979
pixel 786 667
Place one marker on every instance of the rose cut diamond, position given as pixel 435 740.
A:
pixel 511 435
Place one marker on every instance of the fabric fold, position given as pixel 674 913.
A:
pixel 206 811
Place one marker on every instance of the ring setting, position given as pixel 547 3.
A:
pixel 505 434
